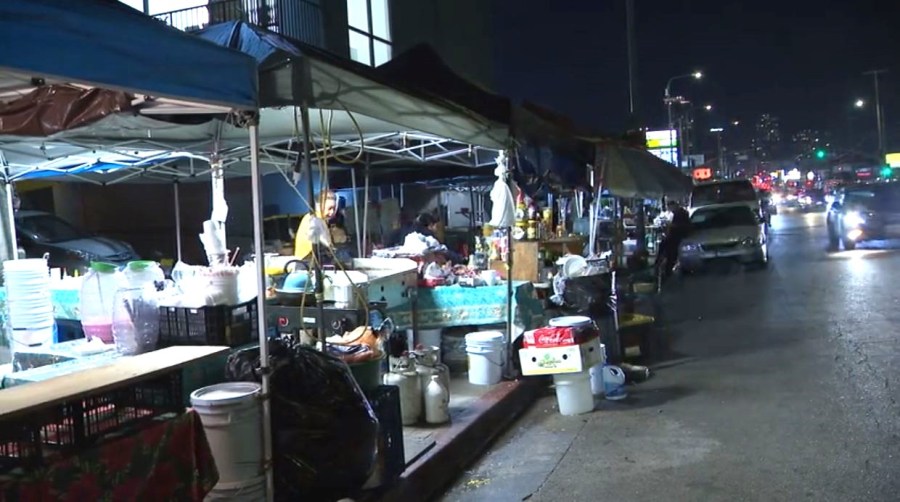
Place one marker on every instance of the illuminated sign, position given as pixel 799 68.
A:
pixel 667 154
pixel 662 139
pixel 702 173
pixel 892 159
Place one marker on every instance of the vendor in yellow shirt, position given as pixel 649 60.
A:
pixel 326 204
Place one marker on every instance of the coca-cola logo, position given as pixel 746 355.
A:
pixel 554 337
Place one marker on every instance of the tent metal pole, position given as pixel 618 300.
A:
pixel 259 260
pixel 177 221
pixel 366 209
pixel 402 202
pixel 359 247
pixel 317 249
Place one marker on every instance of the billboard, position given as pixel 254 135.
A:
pixel 662 139
pixel 892 159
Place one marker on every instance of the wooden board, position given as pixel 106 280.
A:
pixel 121 372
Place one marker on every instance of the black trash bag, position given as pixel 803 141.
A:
pixel 324 432
pixel 589 296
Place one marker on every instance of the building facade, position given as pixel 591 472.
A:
pixel 371 32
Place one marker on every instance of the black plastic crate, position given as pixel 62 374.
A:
pixel 26 441
pixel 221 325
pixel 391 459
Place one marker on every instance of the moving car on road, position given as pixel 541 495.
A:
pixel 862 213
pixel 724 232
pixel 69 247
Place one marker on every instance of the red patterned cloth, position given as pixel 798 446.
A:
pixel 168 459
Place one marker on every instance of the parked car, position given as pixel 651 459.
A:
pixel 724 232
pixel 812 199
pixel 68 247
pixel 864 212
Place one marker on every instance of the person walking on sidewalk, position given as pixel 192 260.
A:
pixel 679 227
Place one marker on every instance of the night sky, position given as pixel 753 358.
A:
pixel 800 60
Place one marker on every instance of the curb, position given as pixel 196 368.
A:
pixel 464 441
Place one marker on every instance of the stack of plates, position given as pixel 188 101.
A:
pixel 28 304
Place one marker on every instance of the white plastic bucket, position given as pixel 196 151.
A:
pixel 596 373
pixel 230 413
pixel 571 321
pixel 485 354
pixel 573 393
pixel 248 491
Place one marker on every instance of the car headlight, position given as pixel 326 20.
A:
pixel 690 247
pixel 807 200
pixel 854 219
pixel 749 242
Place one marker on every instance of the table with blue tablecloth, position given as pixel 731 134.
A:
pixel 450 306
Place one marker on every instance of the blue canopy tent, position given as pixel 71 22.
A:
pixel 104 44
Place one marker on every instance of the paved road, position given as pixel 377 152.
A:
pixel 785 388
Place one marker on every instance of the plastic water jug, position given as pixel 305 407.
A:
pixel 98 290
pixel 135 326
pixel 614 383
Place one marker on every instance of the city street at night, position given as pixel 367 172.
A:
pixel 781 385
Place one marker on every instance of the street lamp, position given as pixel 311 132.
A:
pixel 708 108
pixel 697 75
pixel 859 103
pixel 879 113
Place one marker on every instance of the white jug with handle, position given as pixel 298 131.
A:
pixel 614 383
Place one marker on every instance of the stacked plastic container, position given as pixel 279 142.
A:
pixel 29 308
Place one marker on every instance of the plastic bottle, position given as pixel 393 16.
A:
pixel 437 402
pixel 135 325
pixel 98 290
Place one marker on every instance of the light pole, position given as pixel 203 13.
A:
pixel 718 132
pixel 668 100
pixel 879 113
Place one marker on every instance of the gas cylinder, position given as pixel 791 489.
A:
pixel 410 393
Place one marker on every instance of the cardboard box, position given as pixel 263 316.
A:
pixel 559 360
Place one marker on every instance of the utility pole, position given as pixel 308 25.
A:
pixel 632 63
pixel 146 7
pixel 879 113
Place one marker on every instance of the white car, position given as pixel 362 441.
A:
pixel 724 192
pixel 724 232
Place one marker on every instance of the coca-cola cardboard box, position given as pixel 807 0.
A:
pixel 557 360
pixel 558 336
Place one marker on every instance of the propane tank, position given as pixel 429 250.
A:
pixel 437 402
pixel 410 392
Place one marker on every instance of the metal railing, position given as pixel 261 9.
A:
pixel 301 19
pixel 257 12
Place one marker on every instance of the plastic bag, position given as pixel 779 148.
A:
pixel 324 432
pixel 589 296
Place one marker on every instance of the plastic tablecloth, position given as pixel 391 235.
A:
pixel 164 460
pixel 450 306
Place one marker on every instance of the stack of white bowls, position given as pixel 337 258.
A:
pixel 29 308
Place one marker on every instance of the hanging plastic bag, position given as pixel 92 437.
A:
pixel 324 430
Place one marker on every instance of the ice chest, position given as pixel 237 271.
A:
pixel 556 360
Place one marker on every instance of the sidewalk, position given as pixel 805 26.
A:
pixel 460 444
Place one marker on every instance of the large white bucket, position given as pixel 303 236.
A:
pixel 573 393
pixel 485 354
pixel 231 416
pixel 249 491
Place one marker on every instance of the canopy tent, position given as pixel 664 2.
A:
pixel 122 50
pixel 351 111
pixel 627 171
pixel 546 140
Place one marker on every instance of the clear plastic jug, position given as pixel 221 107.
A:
pixel 136 311
pixel 98 290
